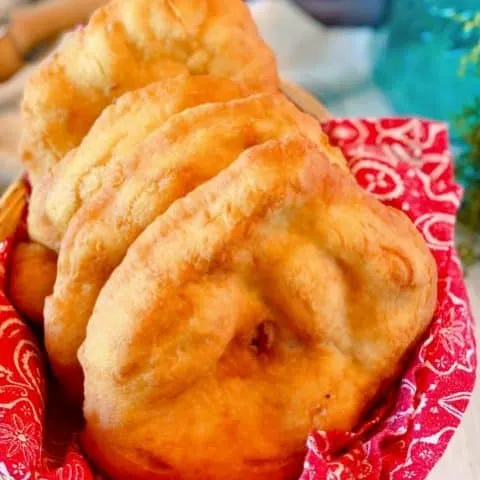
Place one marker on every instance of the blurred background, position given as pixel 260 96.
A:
pixel 360 57
pixel 390 57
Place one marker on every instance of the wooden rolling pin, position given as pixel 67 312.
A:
pixel 31 25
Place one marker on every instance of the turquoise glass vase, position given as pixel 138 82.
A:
pixel 419 69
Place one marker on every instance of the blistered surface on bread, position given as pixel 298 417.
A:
pixel 116 133
pixel 273 299
pixel 189 149
pixel 127 45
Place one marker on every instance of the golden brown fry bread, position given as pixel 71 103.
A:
pixel 116 133
pixel 189 149
pixel 221 339
pixel 33 269
pixel 129 44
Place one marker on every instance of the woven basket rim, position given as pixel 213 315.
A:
pixel 12 205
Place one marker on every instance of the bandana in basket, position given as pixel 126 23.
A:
pixel 405 163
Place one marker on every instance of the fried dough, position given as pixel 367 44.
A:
pixel 116 133
pixel 189 149
pixel 129 44
pixel 276 298
pixel 32 274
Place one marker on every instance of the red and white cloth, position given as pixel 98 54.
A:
pixel 405 163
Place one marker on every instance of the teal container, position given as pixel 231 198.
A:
pixel 419 69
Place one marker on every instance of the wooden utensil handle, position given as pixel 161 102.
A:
pixel 31 25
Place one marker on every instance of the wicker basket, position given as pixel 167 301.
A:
pixel 12 205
